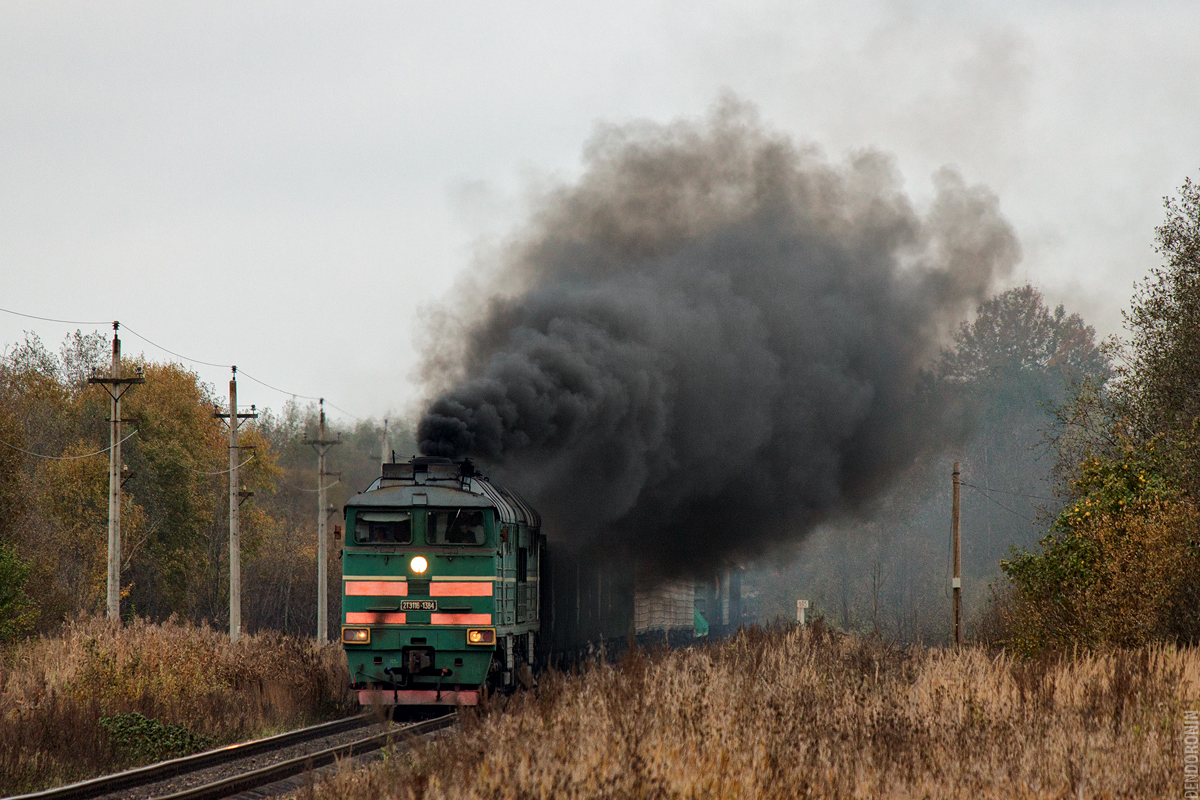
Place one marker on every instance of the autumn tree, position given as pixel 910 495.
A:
pixel 174 498
pixel 1017 344
pixel 280 585
pixel 179 462
pixel 1158 388
pixel 175 532
pixel 1120 563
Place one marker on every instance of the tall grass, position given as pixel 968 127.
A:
pixel 805 713
pixel 97 698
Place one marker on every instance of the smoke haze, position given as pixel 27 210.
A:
pixel 714 340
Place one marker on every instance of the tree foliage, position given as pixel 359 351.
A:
pixel 1121 563
pixel 1015 337
pixel 1158 392
pixel 1006 367
pixel 18 613
pixel 1015 361
pixel 1118 565
pixel 175 513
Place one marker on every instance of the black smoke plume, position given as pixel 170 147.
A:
pixel 715 340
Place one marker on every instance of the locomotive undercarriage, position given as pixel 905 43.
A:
pixel 418 681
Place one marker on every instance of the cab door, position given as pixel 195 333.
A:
pixel 526 588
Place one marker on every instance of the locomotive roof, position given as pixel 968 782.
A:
pixel 439 482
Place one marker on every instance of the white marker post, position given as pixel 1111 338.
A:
pixel 801 607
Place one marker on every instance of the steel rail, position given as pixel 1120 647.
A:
pixel 163 770
pixel 301 764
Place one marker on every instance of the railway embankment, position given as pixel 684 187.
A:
pixel 95 699
pixel 809 713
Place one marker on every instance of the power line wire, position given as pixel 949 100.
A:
pixel 302 489
pixel 997 502
pixel 245 374
pixel 172 352
pixel 52 319
pixel 182 356
pixel 1002 491
pixel 218 472
pixel 66 458
pixel 344 411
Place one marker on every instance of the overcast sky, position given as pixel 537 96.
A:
pixel 285 186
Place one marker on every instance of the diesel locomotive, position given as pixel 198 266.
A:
pixel 440 586
pixel 448 587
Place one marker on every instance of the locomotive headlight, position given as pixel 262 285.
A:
pixel 418 564
pixel 481 635
pixel 356 635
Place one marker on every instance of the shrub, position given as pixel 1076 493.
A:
pixel 139 740
pixel 1115 579
pixel 17 612
pixel 1120 566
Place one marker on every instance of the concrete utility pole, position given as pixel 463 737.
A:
pixel 383 450
pixel 235 503
pixel 957 585
pixel 116 386
pixel 322 445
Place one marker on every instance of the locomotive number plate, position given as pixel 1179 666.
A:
pixel 418 605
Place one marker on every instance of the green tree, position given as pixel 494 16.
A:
pixel 1158 388
pixel 18 614
pixel 1015 362
pixel 1120 563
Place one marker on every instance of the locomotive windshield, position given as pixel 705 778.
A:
pixel 383 527
pixel 461 526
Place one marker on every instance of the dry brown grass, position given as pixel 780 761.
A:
pixel 804 713
pixel 57 692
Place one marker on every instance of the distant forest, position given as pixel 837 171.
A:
pixel 1010 368
pixel 175 512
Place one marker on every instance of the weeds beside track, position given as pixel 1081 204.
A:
pixel 96 698
pixel 807 713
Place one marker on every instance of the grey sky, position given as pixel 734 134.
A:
pixel 285 185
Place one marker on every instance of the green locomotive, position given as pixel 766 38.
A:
pixel 440 587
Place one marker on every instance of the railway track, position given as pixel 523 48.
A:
pixel 179 779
